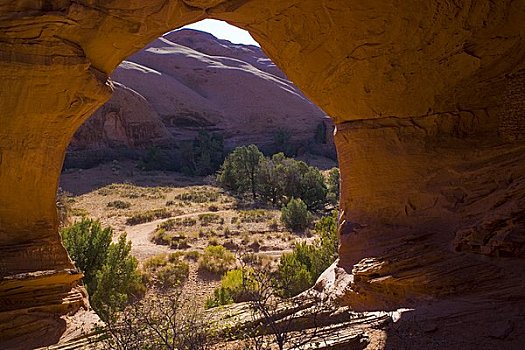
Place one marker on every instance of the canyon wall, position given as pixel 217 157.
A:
pixel 428 100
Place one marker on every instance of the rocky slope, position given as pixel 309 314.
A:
pixel 187 81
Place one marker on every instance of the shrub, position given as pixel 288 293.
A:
pixel 87 243
pixel 332 184
pixel 236 286
pixel 206 219
pixel 198 195
pixel 213 207
pixel 117 281
pixel 203 155
pixel 166 271
pixel 295 215
pixel 148 216
pixel 110 272
pixel 216 259
pixel 300 269
pixel 294 276
pixel 255 215
pixel 220 297
pixel 118 204
pixel 193 255
pixel 172 224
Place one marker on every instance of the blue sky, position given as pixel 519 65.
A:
pixel 223 30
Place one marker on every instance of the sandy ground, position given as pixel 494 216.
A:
pixel 91 190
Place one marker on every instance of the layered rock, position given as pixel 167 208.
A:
pixel 188 81
pixel 427 97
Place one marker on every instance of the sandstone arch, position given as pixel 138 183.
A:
pixel 429 102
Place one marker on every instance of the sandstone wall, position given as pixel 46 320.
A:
pixel 428 101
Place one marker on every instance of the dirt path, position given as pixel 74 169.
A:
pixel 139 235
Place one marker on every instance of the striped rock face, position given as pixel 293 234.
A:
pixel 429 102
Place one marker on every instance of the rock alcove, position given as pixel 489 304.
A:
pixel 429 102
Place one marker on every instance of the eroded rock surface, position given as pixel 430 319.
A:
pixel 428 98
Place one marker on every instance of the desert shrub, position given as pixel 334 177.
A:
pixel 110 272
pixel 79 212
pixel 166 271
pixel 216 259
pixel 294 276
pixel 299 269
pixel 332 184
pixel 175 241
pixel 160 236
pixel 156 158
pixel 179 242
pixel 207 218
pixel 203 155
pixel 148 216
pixel 213 207
pixel 199 195
pixel 171 224
pixel 295 215
pixel 281 140
pixel 193 255
pixel 255 215
pixel 104 191
pixel 236 286
pixel 220 297
pixel 118 204
pixel 87 243
pixel 117 281
pixel 161 321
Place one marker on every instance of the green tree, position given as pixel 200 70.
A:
pixel 332 184
pixel 295 215
pixel 203 155
pixel 282 142
pixel 313 189
pixel 269 180
pixel 87 244
pixel 240 170
pixel 208 149
pixel 110 272
pixel 117 281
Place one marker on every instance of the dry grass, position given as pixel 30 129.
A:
pixel 190 217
